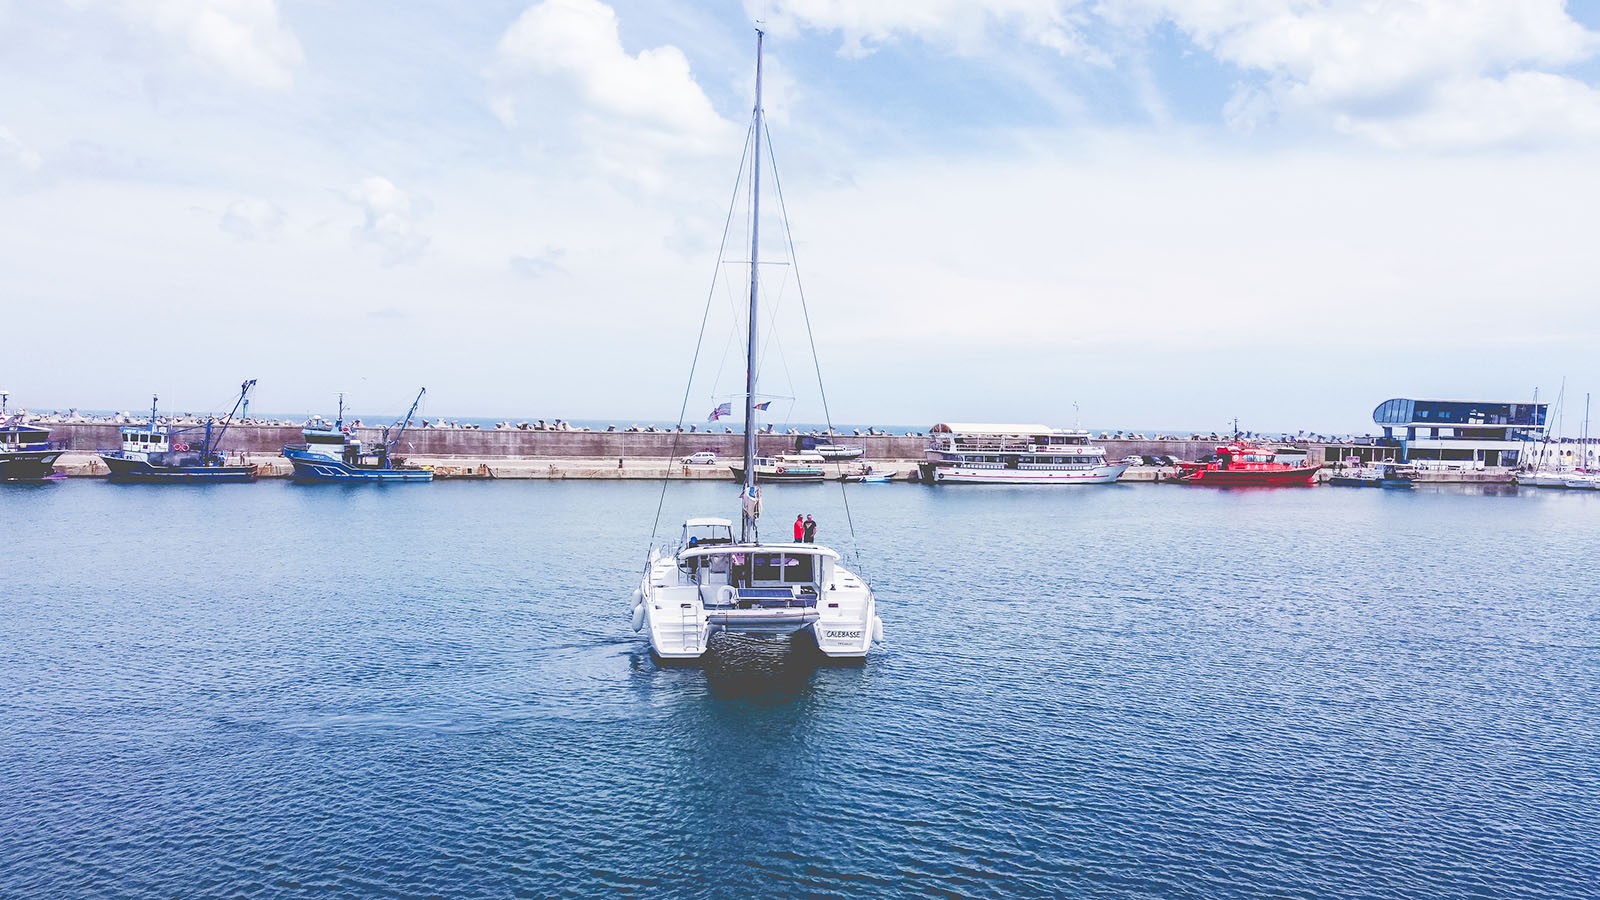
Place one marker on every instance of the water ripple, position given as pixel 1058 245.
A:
pixel 1130 692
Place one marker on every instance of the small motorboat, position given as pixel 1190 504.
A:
pixel 1383 475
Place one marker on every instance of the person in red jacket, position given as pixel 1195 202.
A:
pixel 799 529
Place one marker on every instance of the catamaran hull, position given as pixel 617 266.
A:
pixel 679 626
pixel 138 470
pixel 314 467
pixel 28 465
pixel 936 474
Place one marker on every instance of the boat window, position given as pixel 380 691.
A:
pixel 778 567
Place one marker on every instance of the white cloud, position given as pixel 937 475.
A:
pixel 1422 72
pixel 538 265
pixel 1446 73
pixel 389 221
pixel 252 219
pixel 563 62
pixel 1522 108
pixel 242 39
pixel 968 26
pixel 13 150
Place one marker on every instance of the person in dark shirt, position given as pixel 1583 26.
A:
pixel 810 530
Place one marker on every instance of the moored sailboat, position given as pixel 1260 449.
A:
pixel 710 582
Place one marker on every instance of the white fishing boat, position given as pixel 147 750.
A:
pixel 792 468
pixel 967 453
pixel 711 582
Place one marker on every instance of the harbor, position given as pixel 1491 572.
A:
pixel 1117 458
pixel 611 455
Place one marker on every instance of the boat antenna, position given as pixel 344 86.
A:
pixel 153 399
pixel 749 504
pixel 339 422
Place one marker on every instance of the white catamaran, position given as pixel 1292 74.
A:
pixel 709 582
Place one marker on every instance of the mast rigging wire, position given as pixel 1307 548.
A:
pixel 711 294
pixel 811 337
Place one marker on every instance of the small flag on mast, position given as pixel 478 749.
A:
pixel 725 409
pixel 764 404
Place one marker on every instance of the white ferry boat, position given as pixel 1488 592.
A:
pixel 967 453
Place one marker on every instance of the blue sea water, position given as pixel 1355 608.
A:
pixel 1145 691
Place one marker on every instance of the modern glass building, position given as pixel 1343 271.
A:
pixel 1471 434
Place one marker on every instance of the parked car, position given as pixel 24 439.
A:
pixel 1133 460
pixel 702 458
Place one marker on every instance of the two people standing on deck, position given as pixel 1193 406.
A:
pixel 805 530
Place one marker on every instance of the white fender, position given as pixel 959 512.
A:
pixel 727 594
pixel 877 630
pixel 638 617
pixel 636 598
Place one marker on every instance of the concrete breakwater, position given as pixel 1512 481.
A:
pixel 551 454
pixel 511 443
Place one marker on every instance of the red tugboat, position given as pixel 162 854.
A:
pixel 1246 465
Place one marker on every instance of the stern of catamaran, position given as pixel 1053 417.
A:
pixel 769 590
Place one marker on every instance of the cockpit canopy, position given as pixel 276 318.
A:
pixel 759 566
pixel 699 532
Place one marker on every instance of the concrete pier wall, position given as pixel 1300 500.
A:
pixel 513 444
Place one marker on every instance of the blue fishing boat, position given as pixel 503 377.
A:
pixel 333 453
pixel 164 454
pixel 25 451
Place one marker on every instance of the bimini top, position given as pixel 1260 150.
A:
pixel 758 549
pixel 981 428
pixel 706 521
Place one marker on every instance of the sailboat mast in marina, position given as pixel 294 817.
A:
pixel 708 583
pixel 749 504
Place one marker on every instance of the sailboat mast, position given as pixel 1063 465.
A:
pixel 747 520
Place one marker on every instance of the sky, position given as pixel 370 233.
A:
pixel 1124 213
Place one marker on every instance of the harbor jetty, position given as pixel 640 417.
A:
pixel 519 453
